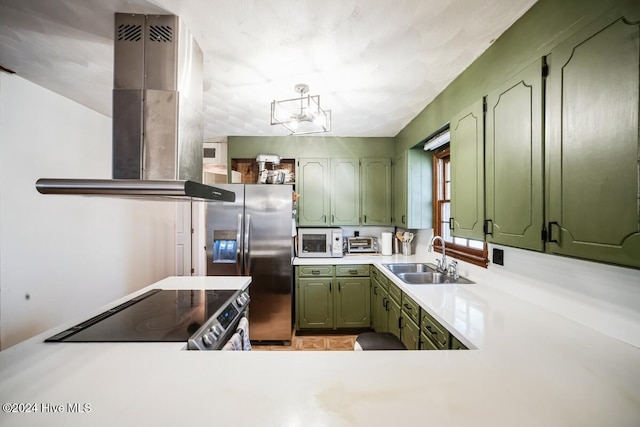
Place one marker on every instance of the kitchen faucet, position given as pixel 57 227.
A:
pixel 442 263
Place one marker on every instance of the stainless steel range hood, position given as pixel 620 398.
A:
pixel 134 187
pixel 157 115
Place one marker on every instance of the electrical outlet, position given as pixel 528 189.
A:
pixel 498 256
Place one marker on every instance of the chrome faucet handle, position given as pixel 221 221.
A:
pixel 452 270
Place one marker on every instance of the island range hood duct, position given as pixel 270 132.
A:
pixel 157 115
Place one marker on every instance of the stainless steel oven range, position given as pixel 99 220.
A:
pixel 202 319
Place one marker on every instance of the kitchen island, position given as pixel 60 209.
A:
pixel 527 367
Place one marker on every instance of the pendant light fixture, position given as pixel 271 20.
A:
pixel 301 115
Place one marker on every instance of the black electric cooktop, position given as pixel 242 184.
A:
pixel 156 316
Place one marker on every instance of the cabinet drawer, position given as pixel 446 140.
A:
pixel 410 307
pixel 410 334
pixel 380 278
pixel 426 343
pixel 352 270
pixel 456 344
pixel 395 292
pixel 432 329
pixel 315 270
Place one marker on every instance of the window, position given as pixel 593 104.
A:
pixel 472 251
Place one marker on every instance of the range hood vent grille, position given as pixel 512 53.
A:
pixel 130 33
pixel 160 33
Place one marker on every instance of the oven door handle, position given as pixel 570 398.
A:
pixel 247 239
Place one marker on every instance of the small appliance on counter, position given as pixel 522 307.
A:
pixel 362 245
pixel 320 242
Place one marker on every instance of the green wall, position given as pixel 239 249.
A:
pixel 247 147
pixel 544 26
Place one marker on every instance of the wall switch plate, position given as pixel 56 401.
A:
pixel 498 256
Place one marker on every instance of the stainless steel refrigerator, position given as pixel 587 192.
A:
pixel 253 237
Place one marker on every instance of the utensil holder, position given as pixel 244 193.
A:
pixel 406 248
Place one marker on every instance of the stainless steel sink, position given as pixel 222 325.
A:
pixel 423 274
pixel 431 278
pixel 409 268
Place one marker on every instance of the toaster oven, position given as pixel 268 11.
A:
pixel 362 245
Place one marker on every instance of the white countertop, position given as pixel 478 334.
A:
pixel 531 368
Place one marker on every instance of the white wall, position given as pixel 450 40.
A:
pixel 603 297
pixel 61 256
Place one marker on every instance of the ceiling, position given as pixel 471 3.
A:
pixel 375 63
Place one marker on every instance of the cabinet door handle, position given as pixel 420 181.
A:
pixel 451 223
pixel 375 290
pixel 399 322
pixel 404 220
pixel 329 287
pixel 339 287
pixel 486 227
pixel 365 219
pixel 385 303
pixel 333 218
pixel 353 271
pixel 324 219
pixel 407 306
pixel 551 239
pixel 315 272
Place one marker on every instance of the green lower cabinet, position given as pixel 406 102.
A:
pixel 327 301
pixel 456 344
pixel 377 306
pixel 410 333
pixel 380 310
pixel 426 343
pixel 394 317
pixel 353 302
pixel 431 328
pixel 314 306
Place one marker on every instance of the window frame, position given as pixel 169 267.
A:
pixel 463 253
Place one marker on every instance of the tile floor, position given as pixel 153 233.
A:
pixel 311 343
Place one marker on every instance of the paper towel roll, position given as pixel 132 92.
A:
pixel 385 244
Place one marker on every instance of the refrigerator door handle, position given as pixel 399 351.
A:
pixel 247 252
pixel 238 245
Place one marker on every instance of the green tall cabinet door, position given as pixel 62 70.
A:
pixel 400 189
pixel 593 152
pixel 394 317
pixel 353 302
pixel 419 189
pixel 376 191
pixel 467 172
pixel 315 303
pixel 345 191
pixel 313 187
pixel 514 161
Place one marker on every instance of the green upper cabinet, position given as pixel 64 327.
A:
pixel 375 176
pixel 313 187
pixel 399 194
pixel 467 172
pixel 593 205
pixel 412 189
pixel 345 191
pixel 514 161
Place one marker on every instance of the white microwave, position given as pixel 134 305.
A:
pixel 320 242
